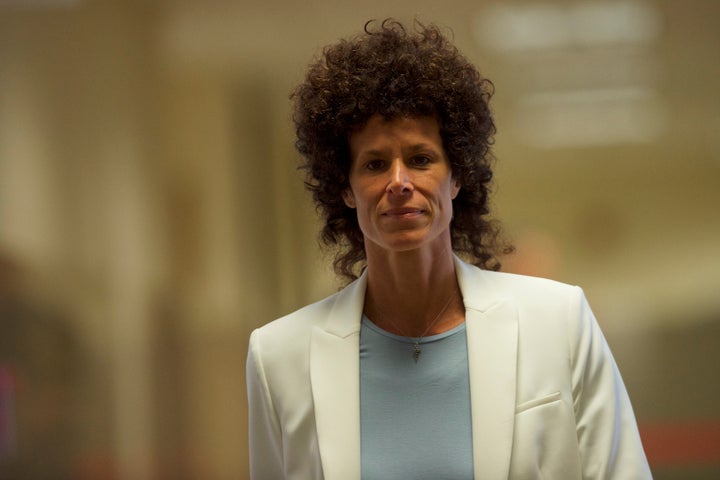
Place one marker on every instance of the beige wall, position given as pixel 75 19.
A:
pixel 151 214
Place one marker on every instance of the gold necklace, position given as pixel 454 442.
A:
pixel 416 342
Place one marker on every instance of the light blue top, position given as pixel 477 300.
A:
pixel 414 417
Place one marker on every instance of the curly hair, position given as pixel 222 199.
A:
pixel 392 72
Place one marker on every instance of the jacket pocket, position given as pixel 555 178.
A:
pixel 545 444
pixel 537 402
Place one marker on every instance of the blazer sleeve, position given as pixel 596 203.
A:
pixel 608 437
pixel 265 438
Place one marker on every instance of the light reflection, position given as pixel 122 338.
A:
pixel 591 117
pixel 534 27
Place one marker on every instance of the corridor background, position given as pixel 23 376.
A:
pixel 152 215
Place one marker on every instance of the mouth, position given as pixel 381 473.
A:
pixel 403 212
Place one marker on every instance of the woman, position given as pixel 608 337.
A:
pixel 425 366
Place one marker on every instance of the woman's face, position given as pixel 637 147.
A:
pixel 401 184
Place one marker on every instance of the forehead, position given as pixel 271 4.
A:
pixel 382 133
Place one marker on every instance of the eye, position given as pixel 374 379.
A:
pixel 421 160
pixel 375 165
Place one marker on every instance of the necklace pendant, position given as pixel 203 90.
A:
pixel 416 352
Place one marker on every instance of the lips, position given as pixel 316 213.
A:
pixel 403 212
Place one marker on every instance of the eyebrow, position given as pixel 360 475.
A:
pixel 421 146
pixel 372 153
pixel 413 148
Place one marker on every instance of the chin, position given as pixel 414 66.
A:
pixel 406 242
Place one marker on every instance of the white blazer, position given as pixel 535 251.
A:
pixel 547 398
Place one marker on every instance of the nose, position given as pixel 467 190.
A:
pixel 400 181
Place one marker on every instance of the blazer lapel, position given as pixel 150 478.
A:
pixel 335 374
pixel 492 336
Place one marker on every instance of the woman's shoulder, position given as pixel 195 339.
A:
pixel 533 297
pixel 300 321
pixel 513 285
pixel 514 282
pixel 542 296
pixel 542 305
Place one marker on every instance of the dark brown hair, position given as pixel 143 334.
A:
pixel 392 72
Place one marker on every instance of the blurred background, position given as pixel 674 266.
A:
pixel 151 212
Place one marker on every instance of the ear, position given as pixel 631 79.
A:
pixel 348 198
pixel 455 189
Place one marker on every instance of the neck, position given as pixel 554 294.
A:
pixel 413 293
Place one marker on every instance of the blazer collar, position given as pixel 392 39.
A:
pixel 492 335
pixel 335 378
pixel 491 323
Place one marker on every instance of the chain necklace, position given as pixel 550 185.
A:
pixel 416 340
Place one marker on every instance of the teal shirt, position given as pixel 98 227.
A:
pixel 414 417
